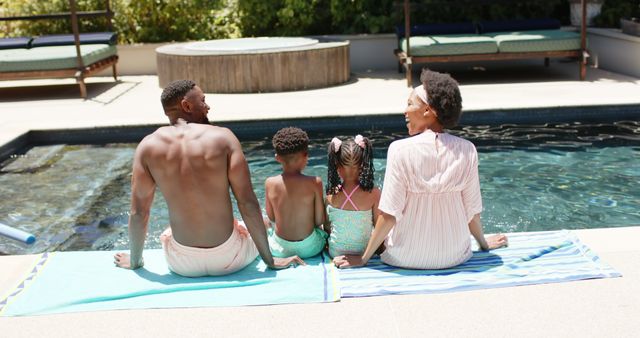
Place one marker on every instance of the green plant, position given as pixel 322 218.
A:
pixel 168 20
pixel 48 26
pixel 364 16
pixel 613 10
pixel 283 17
pixel 181 20
pixel 439 11
pixel 134 20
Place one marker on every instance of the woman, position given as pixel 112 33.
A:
pixel 431 199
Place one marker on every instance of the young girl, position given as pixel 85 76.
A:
pixel 352 200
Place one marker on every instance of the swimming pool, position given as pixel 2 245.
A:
pixel 535 177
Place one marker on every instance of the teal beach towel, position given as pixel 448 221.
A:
pixel 531 258
pixel 88 281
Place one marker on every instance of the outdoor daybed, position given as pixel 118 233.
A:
pixel 54 56
pixel 497 40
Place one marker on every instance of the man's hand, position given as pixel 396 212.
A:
pixel 348 261
pixel 123 260
pixel 497 241
pixel 283 263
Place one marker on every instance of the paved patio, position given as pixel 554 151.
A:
pixel 592 308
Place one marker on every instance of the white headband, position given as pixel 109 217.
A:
pixel 421 93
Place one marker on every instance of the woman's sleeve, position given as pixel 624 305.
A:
pixel 394 189
pixel 471 196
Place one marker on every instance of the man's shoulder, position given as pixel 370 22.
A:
pixel 211 130
pixel 160 135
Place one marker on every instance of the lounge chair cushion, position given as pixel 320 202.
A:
pixel 8 43
pixel 438 29
pixel 536 41
pixel 459 44
pixel 109 38
pixel 52 57
pixel 517 25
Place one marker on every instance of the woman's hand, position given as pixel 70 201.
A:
pixel 497 241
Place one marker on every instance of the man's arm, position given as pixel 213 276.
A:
pixel 491 242
pixel 383 226
pixel 142 191
pixel 240 181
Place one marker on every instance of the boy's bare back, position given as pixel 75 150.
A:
pixel 295 203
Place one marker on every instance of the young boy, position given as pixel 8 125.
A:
pixel 294 201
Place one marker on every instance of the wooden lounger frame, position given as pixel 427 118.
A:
pixel 406 60
pixel 81 71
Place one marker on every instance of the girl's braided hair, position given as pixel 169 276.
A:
pixel 349 152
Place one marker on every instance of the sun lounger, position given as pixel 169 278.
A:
pixel 487 40
pixel 58 56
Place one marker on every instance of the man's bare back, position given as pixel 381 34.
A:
pixel 189 164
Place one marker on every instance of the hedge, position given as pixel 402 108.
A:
pixel 182 20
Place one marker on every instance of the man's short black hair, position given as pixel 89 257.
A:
pixel 443 95
pixel 175 91
pixel 290 140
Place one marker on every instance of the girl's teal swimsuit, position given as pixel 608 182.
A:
pixel 350 229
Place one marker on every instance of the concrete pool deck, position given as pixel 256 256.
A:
pixel 591 308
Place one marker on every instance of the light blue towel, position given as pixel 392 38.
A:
pixel 531 258
pixel 89 281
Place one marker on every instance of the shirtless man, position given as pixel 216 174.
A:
pixel 194 164
pixel 294 201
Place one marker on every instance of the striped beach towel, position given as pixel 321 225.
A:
pixel 531 258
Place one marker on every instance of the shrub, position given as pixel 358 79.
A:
pixel 182 20
pixel 364 16
pixel 283 17
pixel 134 20
pixel 48 26
pixel 613 10
pixel 438 11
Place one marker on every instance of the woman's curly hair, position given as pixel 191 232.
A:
pixel 443 95
pixel 350 152
pixel 290 140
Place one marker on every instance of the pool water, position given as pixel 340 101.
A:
pixel 533 178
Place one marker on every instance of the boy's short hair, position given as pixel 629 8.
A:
pixel 290 140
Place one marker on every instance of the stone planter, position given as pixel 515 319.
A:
pixel 593 9
pixel 630 26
